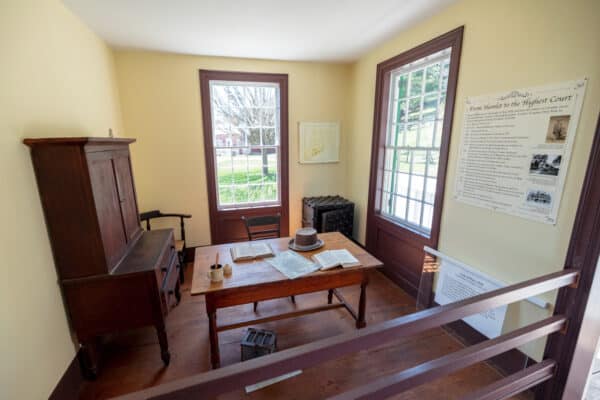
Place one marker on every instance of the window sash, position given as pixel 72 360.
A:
pixel 219 147
pixel 416 199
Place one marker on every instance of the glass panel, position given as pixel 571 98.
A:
pixel 433 160
pixel 445 70
pixel 430 107
pixel 269 137
pixel 432 80
pixel 427 216
pixel 416 82
pixel 387 180
pixel 411 135
pixel 240 194
pixel 225 195
pixel 403 161
pixel 389 158
pixel 441 107
pixel 414 109
pixel 437 142
pixel 416 187
pixel 385 203
pixel 426 134
pixel 419 161
pixel 270 192
pixel 400 207
pixel 399 111
pixel 402 86
pixel 253 135
pixel 414 212
pixel 402 184
pixel 430 190
pixel 268 117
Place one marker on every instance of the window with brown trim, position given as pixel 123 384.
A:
pixel 414 103
pixel 245 137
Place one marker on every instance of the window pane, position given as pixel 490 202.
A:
pixel 414 109
pixel 400 207
pixel 387 180
pixel 253 135
pixel 269 137
pixel 399 111
pixel 437 142
pixel 402 184
pixel 433 160
pixel 419 161
pixel 416 83
pixel 385 203
pixel 427 216
pixel 225 195
pixel 245 118
pixel 389 158
pixel 412 131
pixel 432 81
pixel 430 107
pixel 430 190
pixel 416 187
pixel 403 161
pixel 426 134
pixel 268 117
pixel 414 212
pixel 402 86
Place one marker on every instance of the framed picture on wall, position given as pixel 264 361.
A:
pixel 319 142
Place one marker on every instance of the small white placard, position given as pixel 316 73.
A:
pixel 456 282
pixel 319 142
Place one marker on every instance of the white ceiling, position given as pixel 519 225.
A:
pixel 324 30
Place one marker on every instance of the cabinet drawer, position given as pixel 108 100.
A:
pixel 170 282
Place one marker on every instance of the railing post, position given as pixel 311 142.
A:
pixel 584 249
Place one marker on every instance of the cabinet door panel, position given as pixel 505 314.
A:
pixel 127 195
pixel 106 199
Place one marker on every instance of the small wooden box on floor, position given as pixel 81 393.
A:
pixel 113 275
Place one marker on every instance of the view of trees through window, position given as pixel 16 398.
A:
pixel 246 132
pixel 413 136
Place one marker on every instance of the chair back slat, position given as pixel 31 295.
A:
pixel 263 227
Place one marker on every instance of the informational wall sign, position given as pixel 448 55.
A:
pixel 456 282
pixel 515 149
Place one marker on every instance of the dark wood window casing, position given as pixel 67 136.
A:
pixel 395 243
pixel 226 224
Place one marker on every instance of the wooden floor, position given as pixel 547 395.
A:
pixel 132 361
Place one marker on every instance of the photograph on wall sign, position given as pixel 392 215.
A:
pixel 539 197
pixel 557 129
pixel 529 133
pixel 545 164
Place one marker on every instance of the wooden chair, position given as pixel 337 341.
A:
pixel 179 244
pixel 264 227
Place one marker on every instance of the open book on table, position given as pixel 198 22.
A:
pixel 250 251
pixel 333 258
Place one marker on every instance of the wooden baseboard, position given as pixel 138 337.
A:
pixel 69 385
pixel 506 363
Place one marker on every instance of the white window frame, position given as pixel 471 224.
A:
pixel 277 145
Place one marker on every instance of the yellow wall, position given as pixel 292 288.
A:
pixel 56 80
pixel 507 45
pixel 160 98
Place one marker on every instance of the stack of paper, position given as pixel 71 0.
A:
pixel 292 264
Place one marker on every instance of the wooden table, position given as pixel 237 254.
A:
pixel 257 280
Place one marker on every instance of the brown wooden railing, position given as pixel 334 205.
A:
pixel 239 375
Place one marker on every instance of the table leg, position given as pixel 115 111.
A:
pixel 215 358
pixel 362 304
pixel 330 296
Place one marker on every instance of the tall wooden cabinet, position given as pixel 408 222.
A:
pixel 114 276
